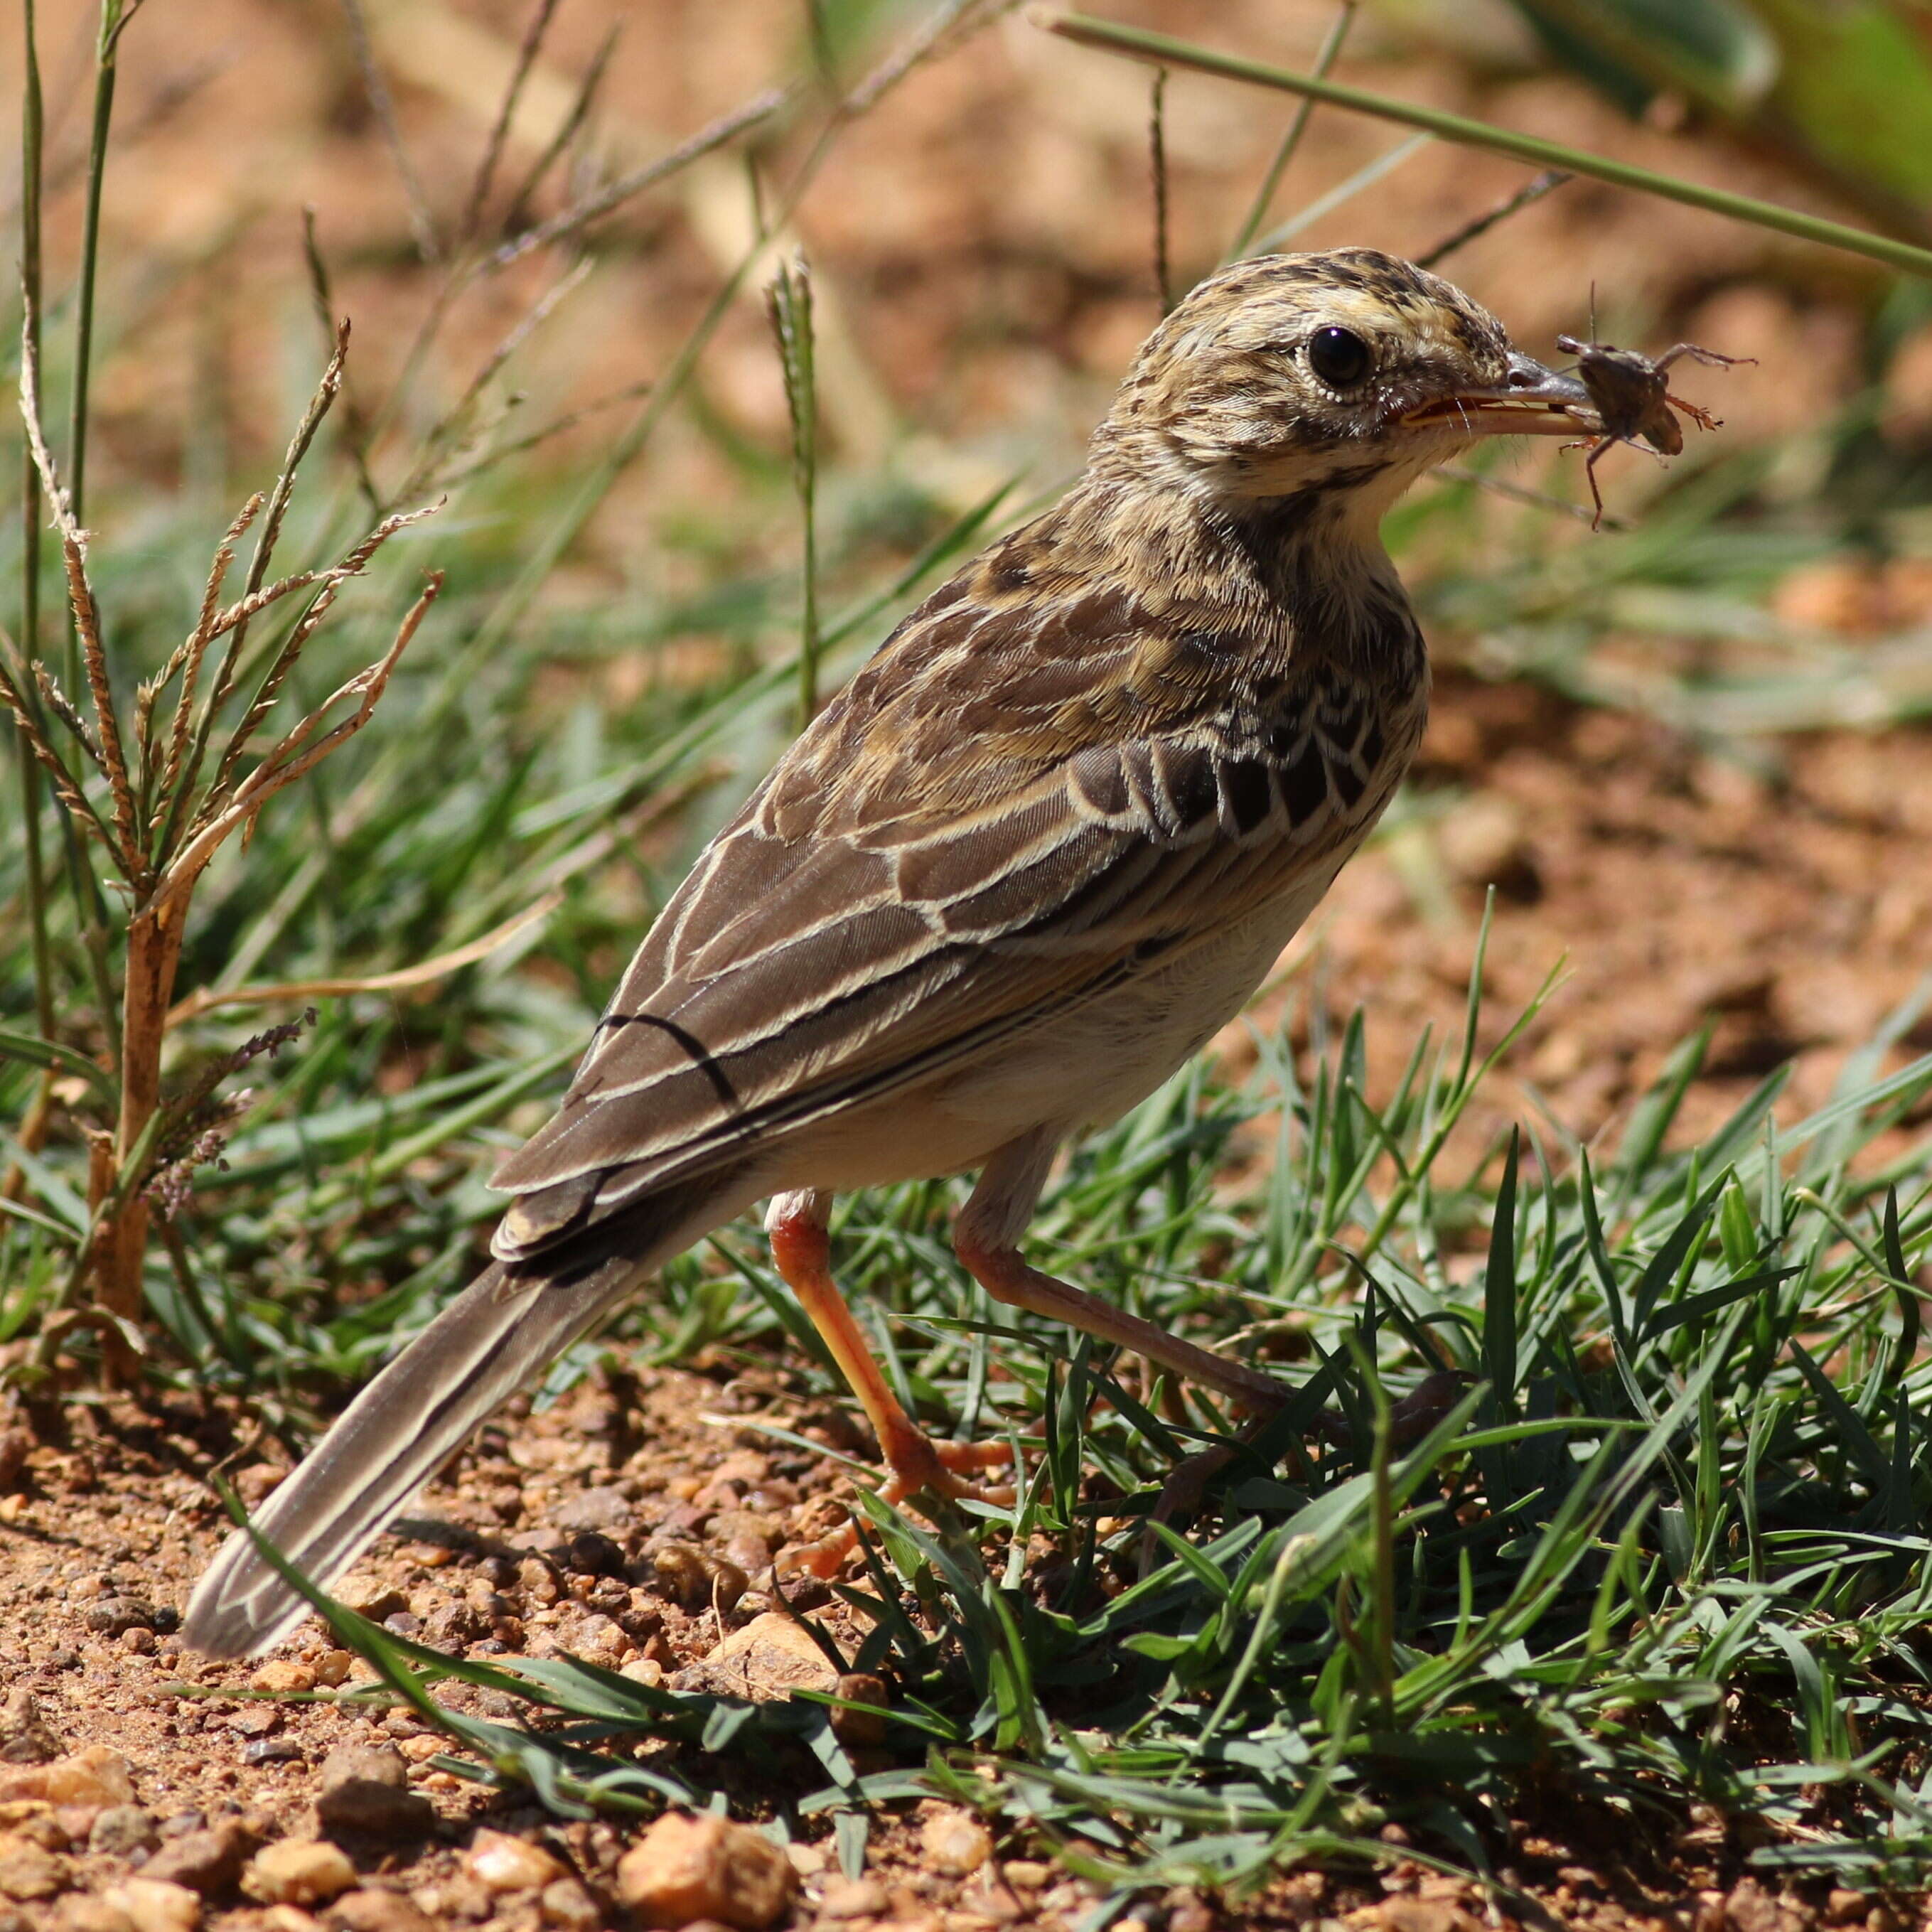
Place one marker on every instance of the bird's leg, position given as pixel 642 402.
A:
pixel 802 1250
pixel 985 1237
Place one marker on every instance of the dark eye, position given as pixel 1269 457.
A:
pixel 1338 357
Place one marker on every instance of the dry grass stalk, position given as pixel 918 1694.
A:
pixel 405 979
pixel 188 661
pixel 161 837
pixel 154 936
pixel 493 150
pixel 422 222
pixel 567 130
pixel 561 226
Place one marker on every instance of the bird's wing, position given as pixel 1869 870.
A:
pixel 1012 809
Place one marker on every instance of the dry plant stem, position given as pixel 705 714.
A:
pixel 444 439
pixel 424 972
pixel 422 222
pixel 463 273
pixel 163 887
pixel 954 21
pixel 492 150
pixel 566 131
pixel 1161 49
pixel 195 649
pixel 325 393
pixel 355 434
pixel 448 479
pixel 1163 278
pixel 288 760
pixel 1531 191
pixel 1325 59
pixel 331 583
pixel 154 956
pixel 33 1129
pixel 593 207
pixel 106 749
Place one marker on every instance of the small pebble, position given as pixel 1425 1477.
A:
pixel 24 1735
pixel 685 1868
pixel 365 1788
pixel 298 1871
pixel 854 1898
pixel 78 1912
pixel 28 1871
pixel 862 1729
pixel 283 1677
pixel 506 1864
pixel 566 1904
pixel 955 1842
pixel 152 1905
pixel 592 1554
pixel 110 1616
pixel 206 1862
pixel 119 1830
pixel 372 1910
pixel 97 1775
pixel 273 1750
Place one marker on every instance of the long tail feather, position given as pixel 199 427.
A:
pixel 493 1340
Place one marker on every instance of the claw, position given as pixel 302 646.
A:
pixel 944 1474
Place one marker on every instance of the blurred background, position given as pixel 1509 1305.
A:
pixel 1684 750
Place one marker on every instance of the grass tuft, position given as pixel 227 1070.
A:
pixel 1656 1537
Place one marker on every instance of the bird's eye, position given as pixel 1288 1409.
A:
pixel 1338 357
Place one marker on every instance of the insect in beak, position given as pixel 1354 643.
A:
pixel 1533 401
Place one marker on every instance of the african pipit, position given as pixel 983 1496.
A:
pixel 1046 844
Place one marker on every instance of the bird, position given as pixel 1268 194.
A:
pixel 1042 846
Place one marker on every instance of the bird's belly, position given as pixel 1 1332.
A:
pixel 1075 1069
pixel 1082 1069
pixel 1088 1067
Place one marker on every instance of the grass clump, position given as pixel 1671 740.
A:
pixel 1663 1542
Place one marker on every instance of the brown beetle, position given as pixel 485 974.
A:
pixel 1631 395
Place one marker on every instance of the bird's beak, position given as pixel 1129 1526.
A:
pixel 1532 401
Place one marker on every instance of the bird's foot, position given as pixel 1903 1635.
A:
pixel 920 1467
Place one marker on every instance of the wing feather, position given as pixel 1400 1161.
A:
pixel 928 871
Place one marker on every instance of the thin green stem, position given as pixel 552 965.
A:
pixel 88 903
pixel 105 67
pixel 1163 49
pixel 1324 58
pixel 31 144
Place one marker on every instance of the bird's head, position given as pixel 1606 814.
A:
pixel 1348 374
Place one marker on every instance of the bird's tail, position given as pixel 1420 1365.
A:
pixel 493 1340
